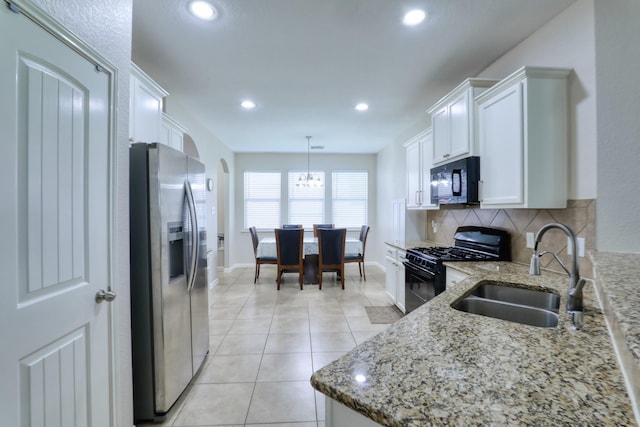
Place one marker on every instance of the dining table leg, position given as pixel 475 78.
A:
pixel 311 269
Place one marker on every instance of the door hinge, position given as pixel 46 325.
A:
pixel 13 8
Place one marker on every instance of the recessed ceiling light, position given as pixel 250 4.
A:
pixel 362 107
pixel 248 104
pixel 203 10
pixel 414 17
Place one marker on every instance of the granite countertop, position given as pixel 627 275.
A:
pixel 441 366
pixel 404 245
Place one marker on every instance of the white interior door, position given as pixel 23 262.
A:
pixel 54 183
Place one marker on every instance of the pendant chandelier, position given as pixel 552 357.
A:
pixel 309 180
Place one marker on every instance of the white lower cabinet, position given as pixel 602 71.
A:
pixel 338 415
pixel 394 276
pixel 390 277
pixel 523 139
pixel 454 277
pixel 400 279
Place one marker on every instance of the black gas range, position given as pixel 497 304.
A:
pixel 424 269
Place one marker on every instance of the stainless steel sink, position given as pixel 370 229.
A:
pixel 507 292
pixel 507 301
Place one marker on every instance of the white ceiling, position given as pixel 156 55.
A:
pixel 306 63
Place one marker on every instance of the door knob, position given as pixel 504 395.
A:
pixel 103 295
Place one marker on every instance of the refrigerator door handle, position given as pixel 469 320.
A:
pixel 193 264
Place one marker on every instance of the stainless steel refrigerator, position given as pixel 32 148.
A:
pixel 169 300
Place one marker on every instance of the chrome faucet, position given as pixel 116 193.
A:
pixel 574 296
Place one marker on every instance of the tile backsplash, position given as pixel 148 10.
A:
pixel 579 216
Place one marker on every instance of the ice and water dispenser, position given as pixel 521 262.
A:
pixel 176 250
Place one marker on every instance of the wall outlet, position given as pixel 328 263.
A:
pixel 530 242
pixel 579 243
pixel 434 226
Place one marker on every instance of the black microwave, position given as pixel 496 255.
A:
pixel 456 182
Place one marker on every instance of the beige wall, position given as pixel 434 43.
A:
pixel 618 122
pixel 579 216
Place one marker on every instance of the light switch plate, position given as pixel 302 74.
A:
pixel 579 243
pixel 530 241
pixel 580 246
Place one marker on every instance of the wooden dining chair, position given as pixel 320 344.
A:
pixel 259 260
pixel 331 243
pixel 316 226
pixel 289 226
pixel 359 258
pixel 289 246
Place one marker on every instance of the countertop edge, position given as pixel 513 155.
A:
pixel 611 271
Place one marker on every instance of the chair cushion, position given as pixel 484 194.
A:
pixel 267 258
pixel 352 256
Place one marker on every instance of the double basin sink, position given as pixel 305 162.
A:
pixel 509 301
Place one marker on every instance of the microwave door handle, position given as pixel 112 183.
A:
pixel 193 264
pixel 456 182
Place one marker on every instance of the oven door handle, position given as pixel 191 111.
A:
pixel 418 269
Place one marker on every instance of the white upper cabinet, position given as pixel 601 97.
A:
pixel 419 154
pixel 172 133
pixel 145 107
pixel 453 121
pixel 523 140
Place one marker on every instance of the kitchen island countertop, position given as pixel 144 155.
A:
pixel 441 366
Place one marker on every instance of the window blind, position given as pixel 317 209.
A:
pixel 262 199
pixel 350 192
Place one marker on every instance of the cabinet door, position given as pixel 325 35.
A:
pixel 146 113
pixel 453 277
pixel 177 137
pixel 501 148
pixel 441 134
pixel 413 175
pixel 400 282
pixel 459 125
pixel 390 277
pixel 399 206
pixel 166 133
pixel 426 153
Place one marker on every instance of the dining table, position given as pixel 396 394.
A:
pixel 267 248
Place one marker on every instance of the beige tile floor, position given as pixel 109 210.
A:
pixel 265 344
